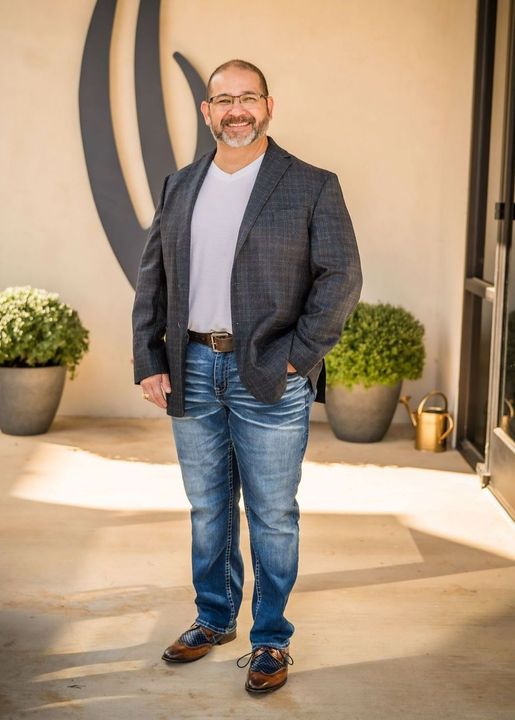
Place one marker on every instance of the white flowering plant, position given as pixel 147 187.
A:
pixel 37 329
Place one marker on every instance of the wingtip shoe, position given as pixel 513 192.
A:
pixel 268 669
pixel 194 643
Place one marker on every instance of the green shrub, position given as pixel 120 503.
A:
pixel 38 330
pixel 380 344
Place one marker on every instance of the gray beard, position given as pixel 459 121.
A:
pixel 257 131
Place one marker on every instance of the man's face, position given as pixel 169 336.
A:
pixel 235 125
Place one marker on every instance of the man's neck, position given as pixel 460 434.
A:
pixel 230 160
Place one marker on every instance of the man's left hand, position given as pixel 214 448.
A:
pixel 291 369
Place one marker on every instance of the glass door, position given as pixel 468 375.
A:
pixel 500 457
pixel 486 420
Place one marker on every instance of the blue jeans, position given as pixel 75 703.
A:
pixel 228 440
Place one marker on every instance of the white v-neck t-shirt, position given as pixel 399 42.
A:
pixel 215 224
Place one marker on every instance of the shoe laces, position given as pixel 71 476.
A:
pixel 244 660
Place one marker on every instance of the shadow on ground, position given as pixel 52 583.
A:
pixel 392 622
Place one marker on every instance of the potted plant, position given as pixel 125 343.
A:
pixel 40 337
pixel 380 346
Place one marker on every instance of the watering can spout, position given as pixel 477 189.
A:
pixel 404 400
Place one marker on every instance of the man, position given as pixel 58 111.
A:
pixel 247 277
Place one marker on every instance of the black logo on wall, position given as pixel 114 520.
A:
pixel 112 200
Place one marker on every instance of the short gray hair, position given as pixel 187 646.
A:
pixel 241 65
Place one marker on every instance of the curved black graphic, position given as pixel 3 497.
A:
pixel 155 144
pixel 108 186
pixel 198 89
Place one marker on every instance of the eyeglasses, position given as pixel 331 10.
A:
pixel 246 100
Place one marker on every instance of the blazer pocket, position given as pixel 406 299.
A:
pixel 284 223
pixel 287 214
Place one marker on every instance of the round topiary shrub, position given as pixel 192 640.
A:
pixel 380 345
pixel 39 330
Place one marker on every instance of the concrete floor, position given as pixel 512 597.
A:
pixel 404 607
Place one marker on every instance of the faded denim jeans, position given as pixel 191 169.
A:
pixel 229 441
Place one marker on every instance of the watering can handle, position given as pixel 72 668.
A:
pixel 426 398
pixel 449 429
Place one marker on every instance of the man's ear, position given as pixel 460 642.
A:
pixel 270 105
pixel 204 109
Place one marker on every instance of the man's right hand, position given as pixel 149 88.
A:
pixel 156 387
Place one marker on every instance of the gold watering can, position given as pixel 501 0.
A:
pixel 433 424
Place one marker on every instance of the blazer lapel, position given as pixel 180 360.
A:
pixel 192 184
pixel 273 167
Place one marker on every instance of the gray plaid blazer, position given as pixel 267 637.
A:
pixel 296 277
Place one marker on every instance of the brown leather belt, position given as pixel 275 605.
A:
pixel 217 341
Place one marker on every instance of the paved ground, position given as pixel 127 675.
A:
pixel 404 607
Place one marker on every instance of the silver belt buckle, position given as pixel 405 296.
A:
pixel 214 336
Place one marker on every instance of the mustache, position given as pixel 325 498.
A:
pixel 238 119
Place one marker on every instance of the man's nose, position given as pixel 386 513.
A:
pixel 236 112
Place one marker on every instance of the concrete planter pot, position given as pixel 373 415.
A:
pixel 29 398
pixel 361 414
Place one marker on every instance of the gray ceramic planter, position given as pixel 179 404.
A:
pixel 361 414
pixel 29 398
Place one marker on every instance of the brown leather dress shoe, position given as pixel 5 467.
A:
pixel 268 669
pixel 196 642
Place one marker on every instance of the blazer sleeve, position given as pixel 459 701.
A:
pixel 150 303
pixel 336 288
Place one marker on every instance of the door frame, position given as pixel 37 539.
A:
pixel 476 219
pixel 474 286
